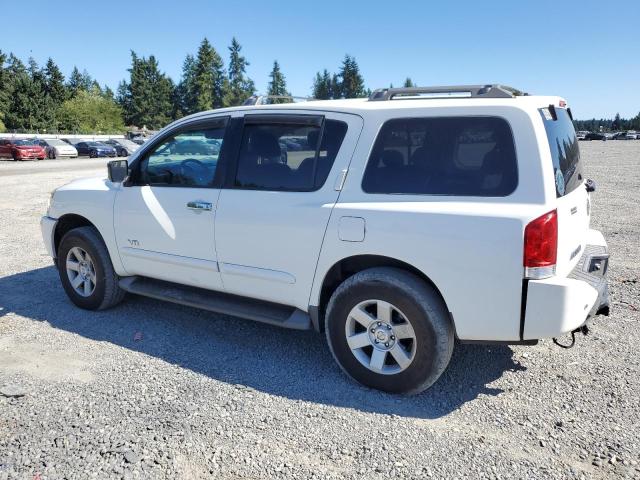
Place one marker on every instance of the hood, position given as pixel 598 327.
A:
pixel 100 182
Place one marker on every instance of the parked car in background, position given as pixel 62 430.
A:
pixel 581 134
pixel 56 148
pixel 123 146
pixel 619 136
pixel 95 149
pixel 19 149
pixel 595 136
pixel 632 135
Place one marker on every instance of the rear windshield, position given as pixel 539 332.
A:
pixel 466 156
pixel 565 152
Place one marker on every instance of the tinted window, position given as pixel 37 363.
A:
pixel 469 156
pixel 189 159
pixel 287 156
pixel 564 150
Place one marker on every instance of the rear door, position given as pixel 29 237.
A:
pixel 573 201
pixel 273 212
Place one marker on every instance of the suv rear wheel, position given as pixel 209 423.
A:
pixel 86 271
pixel 389 330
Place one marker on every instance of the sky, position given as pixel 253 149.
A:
pixel 585 51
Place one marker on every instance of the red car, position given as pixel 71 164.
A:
pixel 21 149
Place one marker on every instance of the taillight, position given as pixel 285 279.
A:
pixel 541 246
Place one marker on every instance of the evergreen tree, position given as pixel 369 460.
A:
pixel 278 85
pixel 351 81
pixel 208 78
pixel 108 93
pixel 336 86
pixel 617 122
pixel 54 83
pixel 322 85
pixel 149 94
pixel 78 82
pixel 186 101
pixel 5 90
pixel 408 83
pixel 238 87
pixel 29 107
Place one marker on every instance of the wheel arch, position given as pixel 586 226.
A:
pixel 67 223
pixel 348 266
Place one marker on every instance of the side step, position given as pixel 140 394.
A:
pixel 252 309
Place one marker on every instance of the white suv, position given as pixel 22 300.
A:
pixel 395 224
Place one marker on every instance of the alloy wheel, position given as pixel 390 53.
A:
pixel 381 337
pixel 81 271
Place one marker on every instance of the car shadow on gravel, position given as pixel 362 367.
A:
pixel 287 363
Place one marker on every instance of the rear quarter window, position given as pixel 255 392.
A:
pixel 565 152
pixel 464 156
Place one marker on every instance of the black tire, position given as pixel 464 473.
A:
pixel 52 154
pixel 424 309
pixel 92 154
pixel 106 293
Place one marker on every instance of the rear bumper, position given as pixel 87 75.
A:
pixel 558 305
pixel 48 227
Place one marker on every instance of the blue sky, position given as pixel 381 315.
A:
pixel 586 51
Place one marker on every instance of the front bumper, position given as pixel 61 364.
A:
pixel 558 305
pixel 48 227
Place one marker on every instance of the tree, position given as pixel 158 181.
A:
pixel 336 86
pixel 408 83
pixel 238 87
pixel 54 83
pixel 351 81
pixel 5 90
pixel 186 100
pixel 322 86
pixel 617 122
pixel 148 96
pixel 278 85
pixel 78 81
pixel 29 107
pixel 91 112
pixel 208 78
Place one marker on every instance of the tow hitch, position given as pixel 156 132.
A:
pixel 583 329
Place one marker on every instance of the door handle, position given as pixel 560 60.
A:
pixel 198 205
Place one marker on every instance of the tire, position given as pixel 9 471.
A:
pixel 92 154
pixel 52 154
pixel 415 302
pixel 106 293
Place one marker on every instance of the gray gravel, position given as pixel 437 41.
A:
pixel 150 390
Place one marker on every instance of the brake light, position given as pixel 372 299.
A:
pixel 541 246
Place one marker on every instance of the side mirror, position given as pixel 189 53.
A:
pixel 118 170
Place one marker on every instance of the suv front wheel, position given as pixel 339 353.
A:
pixel 389 330
pixel 86 271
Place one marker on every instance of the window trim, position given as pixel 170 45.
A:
pixel 440 195
pixel 301 120
pixel 198 124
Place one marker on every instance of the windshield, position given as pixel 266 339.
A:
pixel 128 143
pixel 564 150
pixel 96 144
pixel 23 142
pixel 56 142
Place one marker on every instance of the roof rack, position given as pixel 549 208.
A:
pixel 456 91
pixel 265 99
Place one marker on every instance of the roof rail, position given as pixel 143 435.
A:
pixel 265 99
pixel 464 91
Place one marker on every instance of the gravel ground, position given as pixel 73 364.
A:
pixel 151 390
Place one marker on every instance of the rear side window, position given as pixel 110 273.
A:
pixel 565 152
pixel 288 156
pixel 466 156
